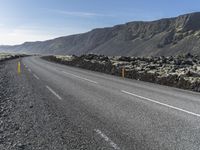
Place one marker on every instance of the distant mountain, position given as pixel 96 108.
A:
pixel 168 36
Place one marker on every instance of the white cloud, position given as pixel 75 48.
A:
pixel 22 34
pixel 80 14
pixel 19 36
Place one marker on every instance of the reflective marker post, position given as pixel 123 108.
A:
pixel 123 72
pixel 19 67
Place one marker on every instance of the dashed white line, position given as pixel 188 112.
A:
pixel 163 104
pixel 36 76
pixel 52 91
pixel 80 77
pixel 29 70
pixel 107 139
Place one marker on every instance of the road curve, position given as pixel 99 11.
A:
pixel 122 113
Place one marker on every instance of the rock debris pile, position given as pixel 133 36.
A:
pixel 182 71
pixel 7 56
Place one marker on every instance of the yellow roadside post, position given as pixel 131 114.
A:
pixel 19 67
pixel 123 72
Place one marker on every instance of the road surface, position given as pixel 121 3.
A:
pixel 116 113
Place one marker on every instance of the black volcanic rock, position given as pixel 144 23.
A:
pixel 165 37
pixel 181 71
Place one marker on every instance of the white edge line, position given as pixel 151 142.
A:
pixel 52 91
pixel 107 139
pixel 163 104
pixel 80 77
pixel 36 76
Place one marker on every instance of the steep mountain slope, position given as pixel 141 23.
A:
pixel 169 36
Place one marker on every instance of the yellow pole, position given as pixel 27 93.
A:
pixel 19 67
pixel 123 72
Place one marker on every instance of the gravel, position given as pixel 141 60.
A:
pixel 30 119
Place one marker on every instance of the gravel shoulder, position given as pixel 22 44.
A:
pixel 31 119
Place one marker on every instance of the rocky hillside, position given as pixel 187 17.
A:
pixel 171 36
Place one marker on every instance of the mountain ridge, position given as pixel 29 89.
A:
pixel 167 36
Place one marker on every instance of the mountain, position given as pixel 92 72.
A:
pixel 169 36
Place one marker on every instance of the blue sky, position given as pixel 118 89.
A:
pixel 33 20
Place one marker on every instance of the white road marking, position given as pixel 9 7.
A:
pixel 107 139
pixel 36 76
pixel 163 104
pixel 52 91
pixel 29 70
pixel 80 77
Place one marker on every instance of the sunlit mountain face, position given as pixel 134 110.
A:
pixel 165 37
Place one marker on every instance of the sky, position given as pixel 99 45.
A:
pixel 38 20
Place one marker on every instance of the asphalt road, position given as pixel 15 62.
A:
pixel 120 113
